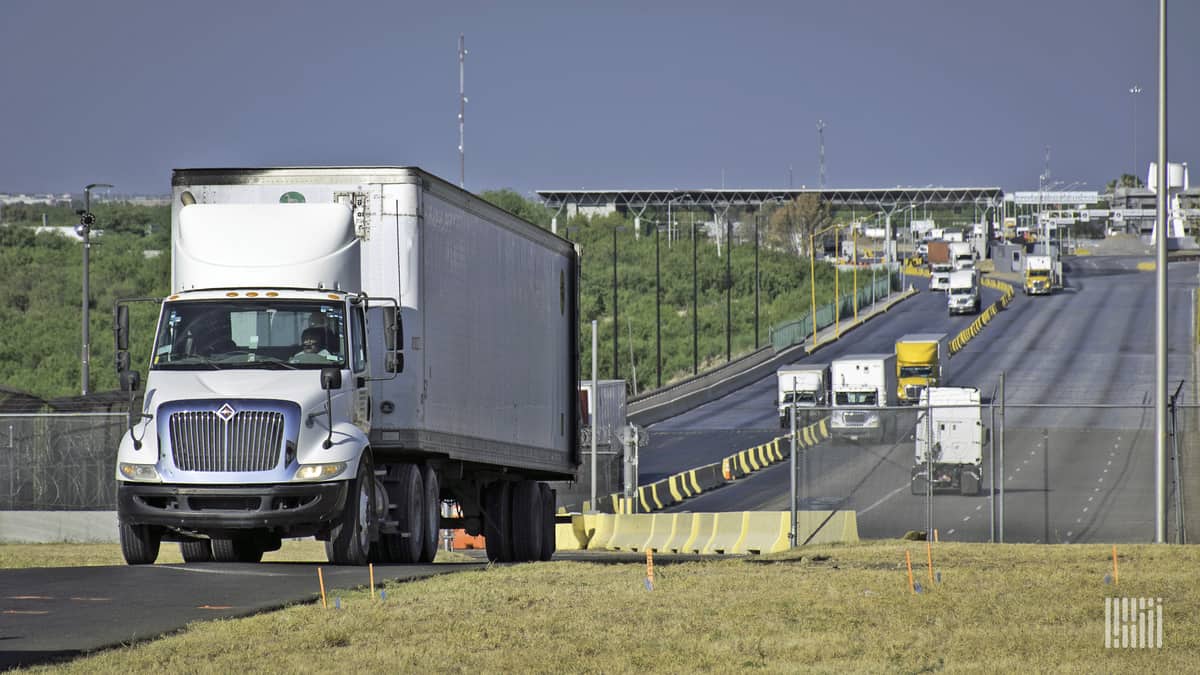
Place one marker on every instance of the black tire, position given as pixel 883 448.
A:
pixel 139 543
pixel 527 521
pixel 243 548
pixel 196 550
pixel 549 538
pixel 350 540
pixel 432 511
pixel 497 522
pixel 407 502
pixel 968 485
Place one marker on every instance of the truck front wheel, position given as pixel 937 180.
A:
pixel 350 541
pixel 139 543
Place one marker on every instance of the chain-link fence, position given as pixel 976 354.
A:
pixel 1046 473
pixel 60 461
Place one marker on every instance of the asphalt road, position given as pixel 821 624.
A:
pixel 61 613
pixel 1071 473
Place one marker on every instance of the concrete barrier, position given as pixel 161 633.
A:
pixel 764 532
pixel 567 536
pixel 681 532
pixel 702 531
pixel 630 532
pixel 662 530
pixel 727 531
pixel 49 527
pixel 604 524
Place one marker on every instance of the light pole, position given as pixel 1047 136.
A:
pixel 616 325
pixel 84 229
pixel 761 212
pixel 812 281
pixel 657 311
pixel 1134 91
pixel 728 290
pixel 695 305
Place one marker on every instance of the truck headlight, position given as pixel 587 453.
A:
pixel 139 472
pixel 320 471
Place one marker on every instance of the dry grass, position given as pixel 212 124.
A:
pixel 832 608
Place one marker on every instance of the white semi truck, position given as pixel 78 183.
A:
pixel 803 387
pixel 949 441
pixel 961 255
pixel 963 297
pixel 864 386
pixel 343 349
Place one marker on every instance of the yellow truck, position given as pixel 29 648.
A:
pixel 1042 275
pixel 920 361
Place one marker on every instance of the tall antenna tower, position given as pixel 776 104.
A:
pixel 462 113
pixel 821 145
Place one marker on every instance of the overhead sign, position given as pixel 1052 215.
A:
pixel 1050 197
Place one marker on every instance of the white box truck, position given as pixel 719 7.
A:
pixel 949 441
pixel 344 348
pixel 963 297
pixel 863 386
pixel 803 387
pixel 961 255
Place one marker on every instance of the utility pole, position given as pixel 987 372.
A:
pixel 462 112
pixel 84 229
pixel 1134 90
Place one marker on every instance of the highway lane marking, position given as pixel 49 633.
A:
pixel 966 518
pixel 979 508
pixel 1090 498
pixel 29 597
pixel 949 531
pixel 25 611
pixel 886 497
pixel 1085 509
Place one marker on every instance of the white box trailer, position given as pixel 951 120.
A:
pixel 471 395
pixel 863 386
pixel 949 440
pixel 803 387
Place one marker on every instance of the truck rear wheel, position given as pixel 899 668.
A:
pixel 196 550
pixel 350 541
pixel 549 543
pixel 918 486
pixel 240 548
pixel 497 522
pixel 431 513
pixel 527 521
pixel 408 502
pixel 139 543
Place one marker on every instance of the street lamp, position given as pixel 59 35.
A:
pixel 658 309
pixel 84 229
pixel 761 212
pixel 812 282
pixel 1134 91
pixel 616 325
pixel 695 304
pixel 728 289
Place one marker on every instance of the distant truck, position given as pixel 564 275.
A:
pixel 961 255
pixel 863 386
pixel 963 297
pixel 804 388
pixel 920 361
pixel 940 266
pixel 949 441
pixel 1042 275
pixel 342 350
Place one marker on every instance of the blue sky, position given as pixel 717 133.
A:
pixel 593 96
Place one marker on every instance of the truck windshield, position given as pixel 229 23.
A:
pixel 960 290
pixel 916 371
pixel 799 397
pixel 241 334
pixel 855 398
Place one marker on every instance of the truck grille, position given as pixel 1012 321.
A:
pixel 251 440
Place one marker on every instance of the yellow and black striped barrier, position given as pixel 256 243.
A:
pixel 1006 296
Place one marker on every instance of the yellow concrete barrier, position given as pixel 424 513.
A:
pixel 662 529
pixel 702 531
pixel 681 532
pixel 567 536
pixel 1147 266
pixel 631 532
pixel 727 531
pixel 840 528
pixel 764 532
pixel 602 530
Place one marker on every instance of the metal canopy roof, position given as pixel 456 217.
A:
pixel 885 199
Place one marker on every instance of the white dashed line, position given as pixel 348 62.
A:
pixel 949 531
pixel 1085 509
pixel 1090 498
pixel 966 518
pixel 979 508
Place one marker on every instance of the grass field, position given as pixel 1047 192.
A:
pixel 997 608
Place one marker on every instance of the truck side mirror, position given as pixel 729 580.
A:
pixel 130 379
pixel 331 378
pixel 121 327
